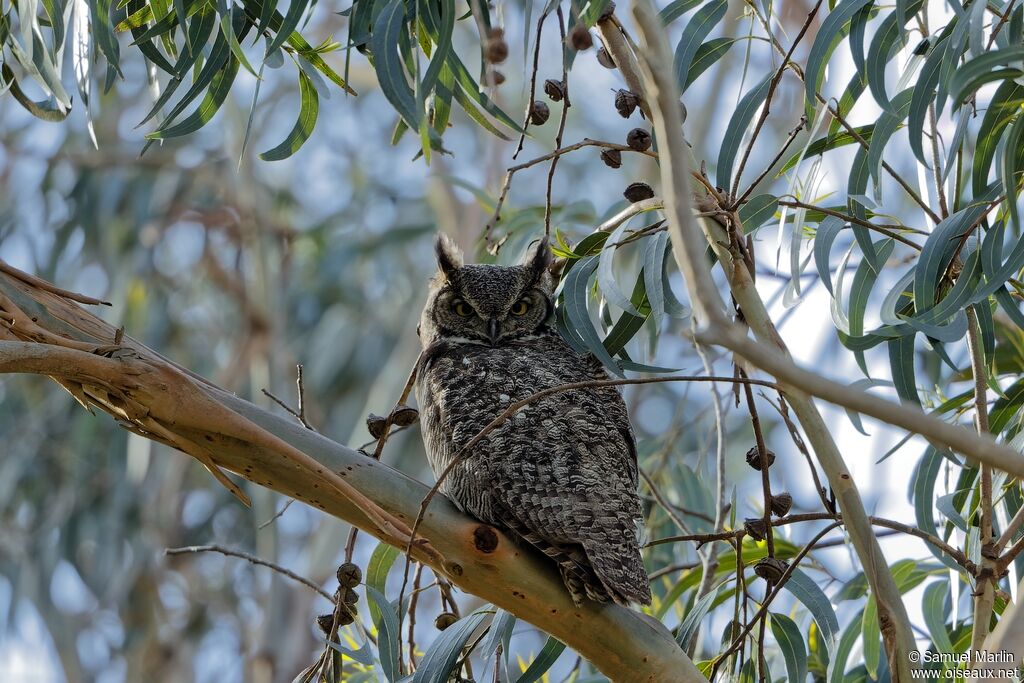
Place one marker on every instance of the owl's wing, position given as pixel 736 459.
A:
pixel 575 499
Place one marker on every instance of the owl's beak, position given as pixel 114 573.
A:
pixel 492 330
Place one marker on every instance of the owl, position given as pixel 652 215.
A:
pixel 561 473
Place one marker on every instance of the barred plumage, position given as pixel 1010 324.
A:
pixel 561 473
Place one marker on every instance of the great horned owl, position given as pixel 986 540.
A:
pixel 561 473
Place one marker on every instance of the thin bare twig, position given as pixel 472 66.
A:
pixel 566 103
pixel 766 108
pixel 250 558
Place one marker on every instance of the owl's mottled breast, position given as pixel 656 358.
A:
pixel 464 386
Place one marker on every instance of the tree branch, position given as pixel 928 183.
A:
pixel 42 332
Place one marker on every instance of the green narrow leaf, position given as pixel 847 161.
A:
pixel 389 644
pixel 309 108
pixel 676 9
pixel 41 110
pixel 978 71
pixel 438 664
pixel 707 54
pixel 885 127
pixel 826 234
pixel 551 651
pixel 296 8
pixel 226 21
pixel 575 291
pixel 791 642
pixel 924 93
pixel 103 33
pixel 388 64
pixel 738 124
pixel 935 606
pixel 871 637
pixel 377 570
pixel 825 42
pixel 901 364
pixel 1011 172
pixel 837 659
pixel 691 623
pixel 1005 103
pixel 806 591
pixel 696 30
pixel 827 143
pixel 220 86
pixel 756 211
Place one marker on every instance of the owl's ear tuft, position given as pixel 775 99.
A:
pixel 449 256
pixel 538 259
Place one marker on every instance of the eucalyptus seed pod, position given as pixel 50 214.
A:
pixel 376 424
pixel 781 504
pixel 580 38
pixel 755 528
pixel 612 157
pixel 554 89
pixel 497 78
pixel 609 10
pixel 539 113
pixel 444 620
pixel 497 48
pixel 637 192
pixel 754 458
pixel 639 139
pixel 405 415
pixel 349 575
pixel 626 103
pixel 324 622
pixel 345 617
pixel 605 59
pixel 350 597
pixel 770 569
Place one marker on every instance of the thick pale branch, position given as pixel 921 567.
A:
pixel 44 333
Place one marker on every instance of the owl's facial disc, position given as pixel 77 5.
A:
pixel 486 303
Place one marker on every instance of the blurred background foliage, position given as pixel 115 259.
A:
pixel 240 268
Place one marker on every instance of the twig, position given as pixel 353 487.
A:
pixel 762 453
pixel 768 168
pixel 561 126
pixel 250 558
pixel 766 108
pixel 512 170
pixel 664 503
pixel 533 81
pixel 796 203
pixel 277 515
pixel 999 25
pixel 299 414
pixel 766 603
pixel 984 595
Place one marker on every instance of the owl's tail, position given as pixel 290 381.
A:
pixel 620 571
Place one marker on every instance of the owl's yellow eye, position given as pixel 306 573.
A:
pixel 462 309
pixel 520 307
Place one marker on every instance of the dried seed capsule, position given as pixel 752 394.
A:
pixel 497 48
pixel 497 78
pixel 554 89
pixel 580 38
pixel 351 597
pixel 375 424
pixel 444 620
pixel 605 59
pixel 639 139
pixel 781 504
pixel 755 528
pixel 612 157
pixel 770 569
pixel 405 415
pixel 349 575
pixel 325 621
pixel 539 113
pixel 626 103
pixel 754 458
pixel 609 10
pixel 637 192
pixel 345 617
